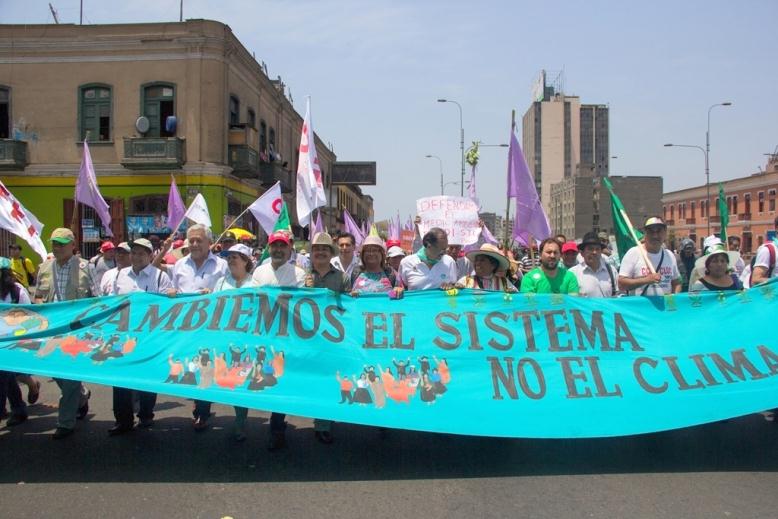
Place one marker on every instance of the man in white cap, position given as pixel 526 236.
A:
pixel 394 256
pixel 141 276
pixel 634 275
pixel 122 261
pixel 66 278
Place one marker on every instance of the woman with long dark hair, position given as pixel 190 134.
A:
pixel 11 292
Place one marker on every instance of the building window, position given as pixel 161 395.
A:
pixel 693 204
pixel 664 212
pixel 672 212
pixel 159 105
pixel 760 198
pixel 5 113
pixel 234 111
pixel 772 200
pixel 262 136
pixel 95 118
pixel 747 198
pixel 734 204
pixel 252 121
pixel 272 139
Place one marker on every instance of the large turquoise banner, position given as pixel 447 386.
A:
pixel 470 362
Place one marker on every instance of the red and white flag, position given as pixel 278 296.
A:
pixel 310 185
pixel 267 208
pixel 18 220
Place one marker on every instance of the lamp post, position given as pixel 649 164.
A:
pixel 707 176
pixel 461 142
pixel 447 184
pixel 707 153
pixel 440 163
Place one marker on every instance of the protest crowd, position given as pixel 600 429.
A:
pixel 348 264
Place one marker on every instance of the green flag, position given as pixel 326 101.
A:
pixel 723 214
pixel 281 225
pixel 621 224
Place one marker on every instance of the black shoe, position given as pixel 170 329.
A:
pixel 33 395
pixel 62 432
pixel 3 414
pixel 200 424
pixel 16 419
pixel 145 423
pixel 82 411
pixel 324 437
pixel 119 428
pixel 277 441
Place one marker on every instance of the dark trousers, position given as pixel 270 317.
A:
pixel 202 409
pixel 277 422
pixel 9 390
pixel 123 405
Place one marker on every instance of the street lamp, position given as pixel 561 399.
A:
pixel 440 163
pixel 447 184
pixel 707 175
pixel 461 141
pixel 707 152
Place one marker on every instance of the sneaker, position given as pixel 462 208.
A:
pixel 62 432
pixel 120 428
pixel 324 437
pixel 33 395
pixel 16 419
pixel 277 441
pixel 200 424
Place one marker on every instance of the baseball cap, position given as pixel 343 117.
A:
pixel 62 236
pixel 142 242
pixel 124 246
pixel 240 249
pixel 654 220
pixel 229 236
pixel 106 246
pixel 569 246
pixel 395 251
pixel 278 236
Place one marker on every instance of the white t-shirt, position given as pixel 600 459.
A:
pixel 416 275
pixel 287 275
pixel 763 259
pixel 633 266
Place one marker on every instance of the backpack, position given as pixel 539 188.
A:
pixel 30 276
pixel 771 248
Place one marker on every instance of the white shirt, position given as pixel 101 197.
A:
pixel 106 284
pixel 633 266
pixel 228 283
pixel 597 283
pixel 287 275
pixel 763 259
pixel 416 275
pixel 348 269
pixel 24 296
pixel 149 279
pixel 188 279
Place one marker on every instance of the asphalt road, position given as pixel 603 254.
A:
pixel 727 469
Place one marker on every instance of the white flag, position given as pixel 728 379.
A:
pixel 198 211
pixel 16 219
pixel 267 208
pixel 310 187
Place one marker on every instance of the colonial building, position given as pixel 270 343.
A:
pixel 184 100
pixel 751 207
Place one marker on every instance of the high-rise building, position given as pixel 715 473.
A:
pixel 563 138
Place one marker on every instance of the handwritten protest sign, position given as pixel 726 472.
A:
pixel 456 215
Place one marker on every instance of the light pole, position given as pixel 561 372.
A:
pixel 440 163
pixel 447 184
pixel 707 153
pixel 461 142
pixel 707 176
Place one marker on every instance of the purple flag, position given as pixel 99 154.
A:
pixel 175 206
pixel 88 193
pixel 531 219
pixel 471 186
pixel 487 236
pixel 316 228
pixel 353 228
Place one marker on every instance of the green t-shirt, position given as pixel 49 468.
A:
pixel 537 282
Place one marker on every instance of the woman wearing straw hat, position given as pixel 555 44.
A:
pixel 714 269
pixel 486 262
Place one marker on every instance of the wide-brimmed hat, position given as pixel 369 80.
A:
pixel 590 238
pixel 374 240
pixel 62 236
pixel 487 249
pixel 324 238
pixel 713 250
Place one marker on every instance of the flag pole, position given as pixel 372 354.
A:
pixel 74 216
pixel 226 228
pixel 508 202
pixel 641 246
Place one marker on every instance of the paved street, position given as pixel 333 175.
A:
pixel 721 470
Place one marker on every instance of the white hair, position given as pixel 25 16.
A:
pixel 203 228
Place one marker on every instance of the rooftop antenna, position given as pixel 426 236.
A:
pixel 53 13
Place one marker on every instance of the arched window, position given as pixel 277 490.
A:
pixel 95 112
pixel 159 103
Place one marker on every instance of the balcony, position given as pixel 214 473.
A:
pixel 13 154
pixel 154 153
pixel 244 161
pixel 243 134
pixel 691 221
pixel 272 172
pixel 744 217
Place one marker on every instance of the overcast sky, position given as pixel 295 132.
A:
pixel 375 69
